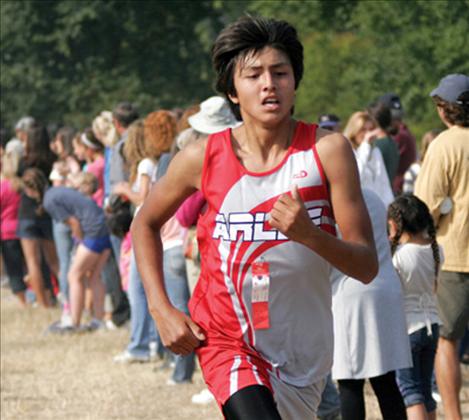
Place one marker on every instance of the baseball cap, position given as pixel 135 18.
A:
pixel 328 120
pixel 451 87
pixel 393 102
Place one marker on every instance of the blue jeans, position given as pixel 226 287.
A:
pixel 330 400
pixel 415 383
pixel 142 326
pixel 64 246
pixel 177 288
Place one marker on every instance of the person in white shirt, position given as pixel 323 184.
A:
pixel 361 132
pixel 417 258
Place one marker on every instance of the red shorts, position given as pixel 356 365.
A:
pixel 227 369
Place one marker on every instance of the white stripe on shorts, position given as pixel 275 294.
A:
pixel 234 375
pixel 254 371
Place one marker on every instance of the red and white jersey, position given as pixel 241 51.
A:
pixel 234 234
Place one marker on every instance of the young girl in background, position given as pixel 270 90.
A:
pixel 417 259
pixel 93 151
pixel 10 244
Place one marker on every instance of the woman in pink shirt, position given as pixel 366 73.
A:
pixel 11 246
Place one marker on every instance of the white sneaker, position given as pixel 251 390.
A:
pixel 66 319
pixel 127 357
pixel 203 397
pixel 110 325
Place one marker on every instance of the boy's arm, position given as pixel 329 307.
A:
pixel 354 254
pixel 178 332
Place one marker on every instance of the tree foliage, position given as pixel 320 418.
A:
pixel 67 60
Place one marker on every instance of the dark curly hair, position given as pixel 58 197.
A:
pixel 410 214
pixel 249 35
pixel 455 113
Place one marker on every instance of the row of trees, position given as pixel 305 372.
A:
pixel 66 60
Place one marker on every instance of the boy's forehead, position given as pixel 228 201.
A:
pixel 252 57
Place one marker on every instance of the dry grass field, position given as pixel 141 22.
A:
pixel 74 377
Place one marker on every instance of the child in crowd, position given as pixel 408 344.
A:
pixel 417 258
pixel 10 244
pixel 88 227
pixel 94 155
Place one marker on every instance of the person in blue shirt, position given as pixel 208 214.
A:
pixel 87 223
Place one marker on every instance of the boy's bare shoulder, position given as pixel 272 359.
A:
pixel 329 142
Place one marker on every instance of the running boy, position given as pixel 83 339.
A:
pixel 261 318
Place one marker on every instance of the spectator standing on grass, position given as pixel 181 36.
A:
pixel 417 258
pixel 361 131
pixel 105 131
pixel 12 253
pixel 383 138
pixel 86 221
pixel 65 168
pixel 123 115
pixel 370 338
pixel 142 169
pixel 264 355
pixel 403 137
pixel 443 185
pixel 35 228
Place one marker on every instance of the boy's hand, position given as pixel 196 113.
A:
pixel 178 332
pixel 290 217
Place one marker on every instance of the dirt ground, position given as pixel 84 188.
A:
pixel 74 377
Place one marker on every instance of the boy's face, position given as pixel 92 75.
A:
pixel 265 86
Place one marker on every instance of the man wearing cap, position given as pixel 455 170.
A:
pixel 404 139
pixel 443 184
pixel 329 122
